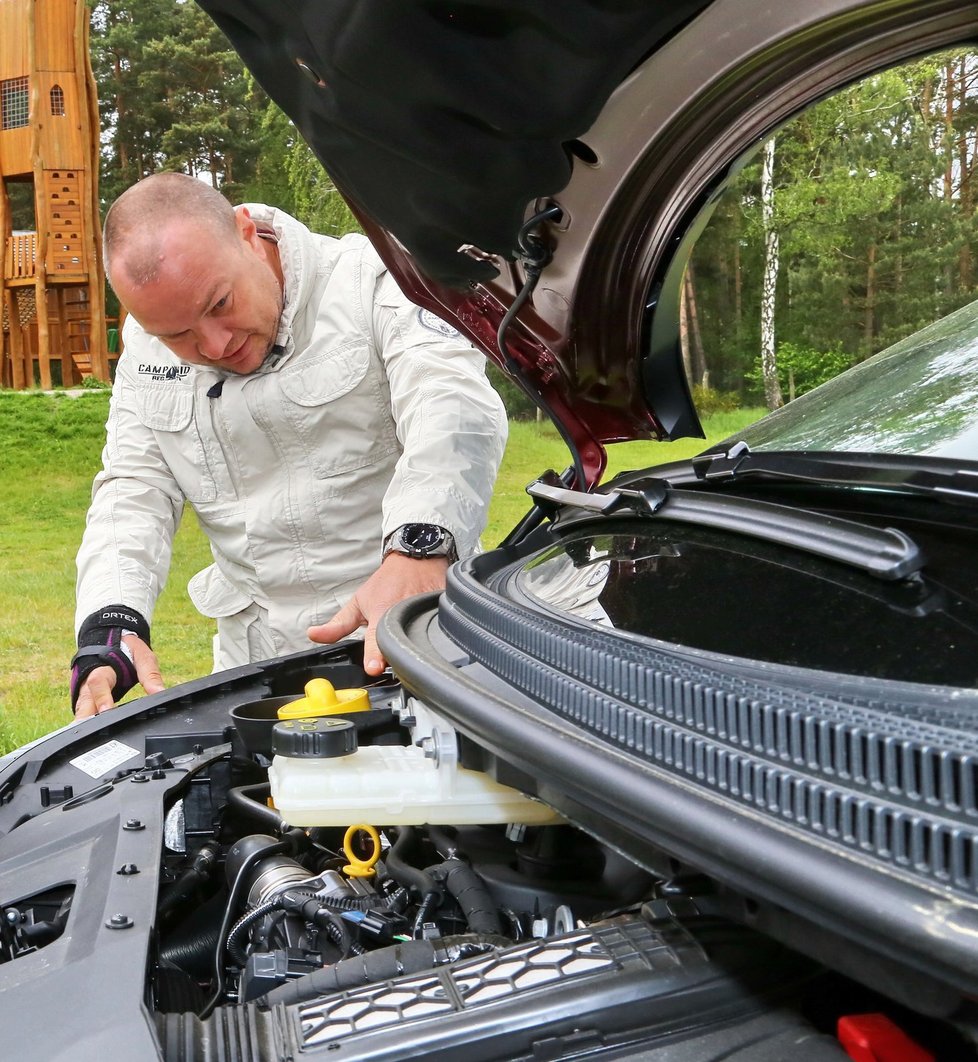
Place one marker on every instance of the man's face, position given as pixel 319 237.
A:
pixel 216 301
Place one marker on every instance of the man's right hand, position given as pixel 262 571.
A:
pixel 95 695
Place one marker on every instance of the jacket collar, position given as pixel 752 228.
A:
pixel 300 256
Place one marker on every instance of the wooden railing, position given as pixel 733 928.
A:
pixel 20 256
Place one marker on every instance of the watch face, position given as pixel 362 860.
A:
pixel 422 537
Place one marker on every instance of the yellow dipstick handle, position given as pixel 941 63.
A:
pixel 322 699
pixel 357 867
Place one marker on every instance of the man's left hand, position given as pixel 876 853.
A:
pixel 398 577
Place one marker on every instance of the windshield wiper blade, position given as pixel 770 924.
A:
pixel 906 474
pixel 885 553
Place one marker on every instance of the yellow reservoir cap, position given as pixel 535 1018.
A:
pixel 323 699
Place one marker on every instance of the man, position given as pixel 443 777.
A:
pixel 338 444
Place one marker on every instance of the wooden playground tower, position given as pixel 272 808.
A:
pixel 53 290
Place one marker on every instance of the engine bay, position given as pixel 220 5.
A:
pixel 418 907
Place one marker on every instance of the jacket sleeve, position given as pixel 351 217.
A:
pixel 450 422
pixel 136 507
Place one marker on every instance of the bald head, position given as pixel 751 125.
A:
pixel 138 219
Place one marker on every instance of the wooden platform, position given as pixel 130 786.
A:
pixel 50 242
pixel 69 337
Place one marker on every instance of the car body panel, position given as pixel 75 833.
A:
pixel 780 794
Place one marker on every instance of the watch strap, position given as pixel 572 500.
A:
pixel 400 541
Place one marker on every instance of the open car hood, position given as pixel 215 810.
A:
pixel 447 126
pixel 754 828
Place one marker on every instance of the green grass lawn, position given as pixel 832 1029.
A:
pixel 50 448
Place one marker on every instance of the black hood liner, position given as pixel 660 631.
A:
pixel 441 121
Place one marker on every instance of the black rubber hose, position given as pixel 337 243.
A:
pixel 445 845
pixel 412 956
pixel 192 945
pixel 400 870
pixel 470 894
pixel 203 866
pixel 241 879
pixel 242 800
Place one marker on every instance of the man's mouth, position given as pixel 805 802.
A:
pixel 235 355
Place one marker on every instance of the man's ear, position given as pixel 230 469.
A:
pixel 245 223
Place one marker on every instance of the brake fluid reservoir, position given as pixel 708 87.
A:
pixel 319 777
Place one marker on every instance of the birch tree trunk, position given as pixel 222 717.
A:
pixel 769 369
pixel 697 357
pixel 965 267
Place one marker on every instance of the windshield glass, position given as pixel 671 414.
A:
pixel 918 397
pixel 834 286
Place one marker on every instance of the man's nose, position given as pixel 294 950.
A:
pixel 212 340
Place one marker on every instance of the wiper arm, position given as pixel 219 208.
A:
pixel 882 552
pixel 909 475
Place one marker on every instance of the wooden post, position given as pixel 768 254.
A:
pixel 17 379
pixel 69 376
pixel 98 340
pixel 40 265
pixel 26 343
pixel 6 345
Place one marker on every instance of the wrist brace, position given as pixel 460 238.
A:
pixel 100 645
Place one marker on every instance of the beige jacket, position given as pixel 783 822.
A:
pixel 374 414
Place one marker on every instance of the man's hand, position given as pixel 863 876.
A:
pixel 95 695
pixel 398 577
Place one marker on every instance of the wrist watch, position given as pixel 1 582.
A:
pixel 420 541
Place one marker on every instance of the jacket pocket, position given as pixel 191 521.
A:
pixel 327 376
pixel 167 409
pixel 214 595
pixel 337 408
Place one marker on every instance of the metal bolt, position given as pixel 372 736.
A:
pixel 128 868
pixel 133 824
pixel 139 778
pixel 119 921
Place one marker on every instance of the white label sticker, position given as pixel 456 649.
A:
pixel 105 758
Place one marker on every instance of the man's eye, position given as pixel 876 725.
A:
pixel 221 303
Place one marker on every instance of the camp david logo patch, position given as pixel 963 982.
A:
pixel 163 372
pixel 435 324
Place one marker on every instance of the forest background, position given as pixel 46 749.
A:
pixel 851 228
